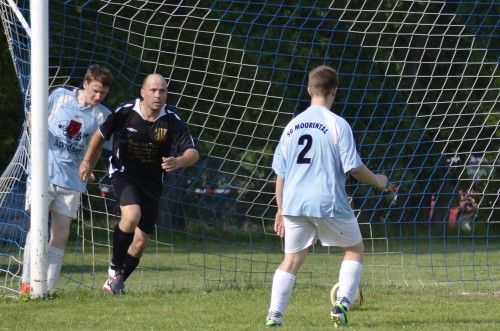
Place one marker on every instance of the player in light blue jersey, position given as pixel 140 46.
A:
pixel 315 152
pixel 74 115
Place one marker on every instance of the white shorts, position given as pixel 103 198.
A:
pixel 302 232
pixel 61 200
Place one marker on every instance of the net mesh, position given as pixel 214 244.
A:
pixel 419 85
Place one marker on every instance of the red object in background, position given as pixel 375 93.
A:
pixel 452 219
pixel 431 210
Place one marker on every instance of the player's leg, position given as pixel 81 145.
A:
pixel 123 237
pixel 26 273
pixel 349 279
pixel 59 232
pixel 135 252
pixel 350 273
pixel 129 197
pixel 283 282
pixel 25 277
pixel 63 209
pixel 345 234
pixel 299 235
pixel 66 202
pixel 124 234
pixel 146 227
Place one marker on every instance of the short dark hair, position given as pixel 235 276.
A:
pixel 322 80
pixel 99 74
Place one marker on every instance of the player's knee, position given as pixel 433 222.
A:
pixel 131 215
pixel 59 238
pixel 58 242
pixel 292 262
pixel 354 252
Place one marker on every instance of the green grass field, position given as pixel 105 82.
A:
pixel 210 286
pixel 469 265
pixel 385 308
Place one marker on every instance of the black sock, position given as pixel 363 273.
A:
pixel 130 264
pixel 121 243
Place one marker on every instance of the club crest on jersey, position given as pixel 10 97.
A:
pixel 161 134
pixel 72 130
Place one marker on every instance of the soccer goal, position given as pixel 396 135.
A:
pixel 419 84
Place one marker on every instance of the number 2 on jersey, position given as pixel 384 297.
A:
pixel 307 141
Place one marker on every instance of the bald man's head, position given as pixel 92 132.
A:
pixel 154 92
pixel 154 77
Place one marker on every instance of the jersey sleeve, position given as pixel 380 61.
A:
pixel 54 99
pixel 279 164
pixel 112 123
pixel 182 138
pixel 348 151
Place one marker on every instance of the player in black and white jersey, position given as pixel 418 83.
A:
pixel 145 132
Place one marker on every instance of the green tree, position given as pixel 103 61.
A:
pixel 11 105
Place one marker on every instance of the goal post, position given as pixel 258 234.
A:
pixel 419 85
pixel 39 63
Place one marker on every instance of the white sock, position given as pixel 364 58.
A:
pixel 54 259
pixel 281 290
pixel 349 278
pixel 25 278
pixel 111 272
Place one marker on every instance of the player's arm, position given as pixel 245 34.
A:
pixel 91 156
pixel 365 175
pixel 279 224
pixel 351 160
pixel 187 159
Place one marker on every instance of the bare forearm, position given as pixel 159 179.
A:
pixel 280 182
pixel 365 175
pixel 190 157
pixel 95 149
pixel 279 223
pixel 91 156
pixel 171 164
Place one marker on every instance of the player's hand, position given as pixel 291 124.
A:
pixel 170 164
pixel 279 225
pixel 91 178
pixel 381 181
pixel 85 172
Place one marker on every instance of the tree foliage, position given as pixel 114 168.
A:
pixel 11 105
pixel 411 87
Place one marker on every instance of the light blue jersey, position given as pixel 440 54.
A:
pixel 315 152
pixel 70 129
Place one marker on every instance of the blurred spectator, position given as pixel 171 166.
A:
pixel 464 212
pixel 395 205
pixel 467 213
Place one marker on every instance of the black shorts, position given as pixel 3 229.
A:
pixel 147 197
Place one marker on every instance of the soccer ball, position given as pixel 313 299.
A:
pixel 355 304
